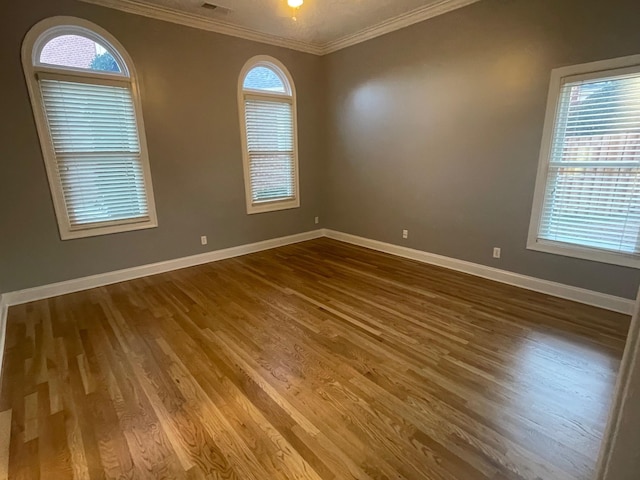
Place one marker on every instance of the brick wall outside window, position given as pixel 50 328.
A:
pixel 70 51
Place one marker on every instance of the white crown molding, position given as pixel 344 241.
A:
pixel 205 23
pixel 417 15
pixel 568 292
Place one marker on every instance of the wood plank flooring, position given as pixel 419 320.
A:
pixel 313 361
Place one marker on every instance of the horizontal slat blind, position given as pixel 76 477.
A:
pixel 592 197
pixel 270 142
pixel 97 150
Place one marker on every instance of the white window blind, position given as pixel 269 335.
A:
pixel 592 196
pixel 97 152
pixel 270 145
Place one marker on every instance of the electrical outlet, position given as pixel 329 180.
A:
pixel 497 252
pixel 317 220
pixel 405 233
pixel 203 240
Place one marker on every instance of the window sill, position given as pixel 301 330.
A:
pixel 106 230
pixel 585 253
pixel 274 206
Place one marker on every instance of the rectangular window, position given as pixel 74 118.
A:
pixel 271 149
pixel 97 152
pixel 587 201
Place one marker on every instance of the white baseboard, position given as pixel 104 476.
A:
pixel 85 283
pixel 581 295
pixel 609 302
pixel 589 297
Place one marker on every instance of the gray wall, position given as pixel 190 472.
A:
pixel 436 128
pixel 188 81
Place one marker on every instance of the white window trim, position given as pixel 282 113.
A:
pixel 32 46
pixel 283 73
pixel 593 69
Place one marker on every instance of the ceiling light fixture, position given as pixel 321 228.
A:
pixel 295 3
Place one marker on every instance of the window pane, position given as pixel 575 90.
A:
pixel 269 125
pixel 89 118
pixel 593 188
pixel 97 150
pixel 78 52
pixel 263 78
pixel 594 207
pixel 272 176
pixel 103 189
pixel 270 142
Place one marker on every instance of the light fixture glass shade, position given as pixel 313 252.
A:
pixel 295 3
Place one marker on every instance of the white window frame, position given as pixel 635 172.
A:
pixel 282 72
pixel 559 76
pixel 33 44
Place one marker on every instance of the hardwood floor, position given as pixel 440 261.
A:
pixel 313 361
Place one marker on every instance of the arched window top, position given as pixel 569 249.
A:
pixel 77 51
pixel 267 75
pixel 74 44
pixel 264 79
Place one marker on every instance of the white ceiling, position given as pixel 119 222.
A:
pixel 321 26
pixel 318 21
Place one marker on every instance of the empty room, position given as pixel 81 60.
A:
pixel 320 239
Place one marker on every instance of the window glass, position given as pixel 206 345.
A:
pixel 593 196
pixel 265 79
pixel 270 145
pixel 588 192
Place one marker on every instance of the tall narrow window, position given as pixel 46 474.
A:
pixel 587 201
pixel 87 111
pixel 267 104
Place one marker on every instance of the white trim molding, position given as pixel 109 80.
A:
pixel 417 15
pixel 608 302
pixel 102 279
pixel 589 297
pixel 623 404
pixel 4 310
pixel 581 295
pixel 205 23
pixel 202 22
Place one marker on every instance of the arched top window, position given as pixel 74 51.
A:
pixel 77 48
pixel 268 123
pixel 87 110
pixel 265 77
